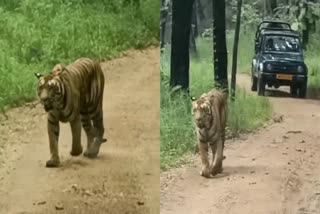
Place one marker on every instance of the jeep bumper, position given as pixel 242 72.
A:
pixel 283 79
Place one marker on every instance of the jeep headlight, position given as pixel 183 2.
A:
pixel 269 67
pixel 261 66
pixel 300 69
pixel 254 62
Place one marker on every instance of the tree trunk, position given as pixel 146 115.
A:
pixel 163 21
pixel 305 36
pixel 270 6
pixel 302 17
pixel 200 10
pixel 220 55
pixel 235 50
pixel 194 19
pixel 193 34
pixel 180 38
pixel 273 6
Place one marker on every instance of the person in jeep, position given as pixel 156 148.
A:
pixel 282 44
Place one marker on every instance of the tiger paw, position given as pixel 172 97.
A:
pixel 76 152
pixel 93 150
pixel 216 171
pixel 90 154
pixel 86 153
pixel 205 173
pixel 52 163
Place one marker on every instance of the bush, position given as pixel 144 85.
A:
pixel 35 35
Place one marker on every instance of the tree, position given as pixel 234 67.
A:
pixel 194 30
pixel 180 38
pixel 220 55
pixel 163 21
pixel 235 50
pixel 269 7
pixel 200 10
pixel 305 13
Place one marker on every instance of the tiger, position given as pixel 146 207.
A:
pixel 209 114
pixel 73 94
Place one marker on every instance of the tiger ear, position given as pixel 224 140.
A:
pixel 58 69
pixel 193 98
pixel 38 75
pixel 211 99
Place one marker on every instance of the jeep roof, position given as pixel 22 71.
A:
pixel 277 26
pixel 280 32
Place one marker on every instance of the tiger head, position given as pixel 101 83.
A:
pixel 49 91
pixel 202 113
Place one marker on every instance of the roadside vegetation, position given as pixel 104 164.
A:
pixel 35 35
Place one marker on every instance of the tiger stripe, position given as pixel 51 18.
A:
pixel 210 116
pixel 74 94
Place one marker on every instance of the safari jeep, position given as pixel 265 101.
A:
pixel 278 59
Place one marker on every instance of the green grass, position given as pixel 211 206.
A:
pixel 176 128
pixel 37 34
pixel 312 61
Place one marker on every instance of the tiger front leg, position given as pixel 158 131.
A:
pixel 76 137
pixel 216 166
pixel 53 132
pixel 203 148
pixel 213 146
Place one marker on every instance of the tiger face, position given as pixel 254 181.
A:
pixel 202 114
pixel 49 91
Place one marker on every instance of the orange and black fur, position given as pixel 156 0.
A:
pixel 74 94
pixel 210 117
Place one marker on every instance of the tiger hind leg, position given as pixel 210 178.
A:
pixel 94 148
pixel 203 148
pixel 76 137
pixel 89 130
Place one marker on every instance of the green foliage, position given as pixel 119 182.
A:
pixel 300 13
pixel 35 35
pixel 250 15
pixel 312 61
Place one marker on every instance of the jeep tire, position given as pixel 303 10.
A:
pixel 261 87
pixel 293 90
pixel 302 90
pixel 254 82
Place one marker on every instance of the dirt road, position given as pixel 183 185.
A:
pixel 125 177
pixel 275 170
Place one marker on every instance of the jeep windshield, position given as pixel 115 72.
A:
pixel 281 44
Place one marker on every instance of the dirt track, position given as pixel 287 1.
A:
pixel 275 170
pixel 125 177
